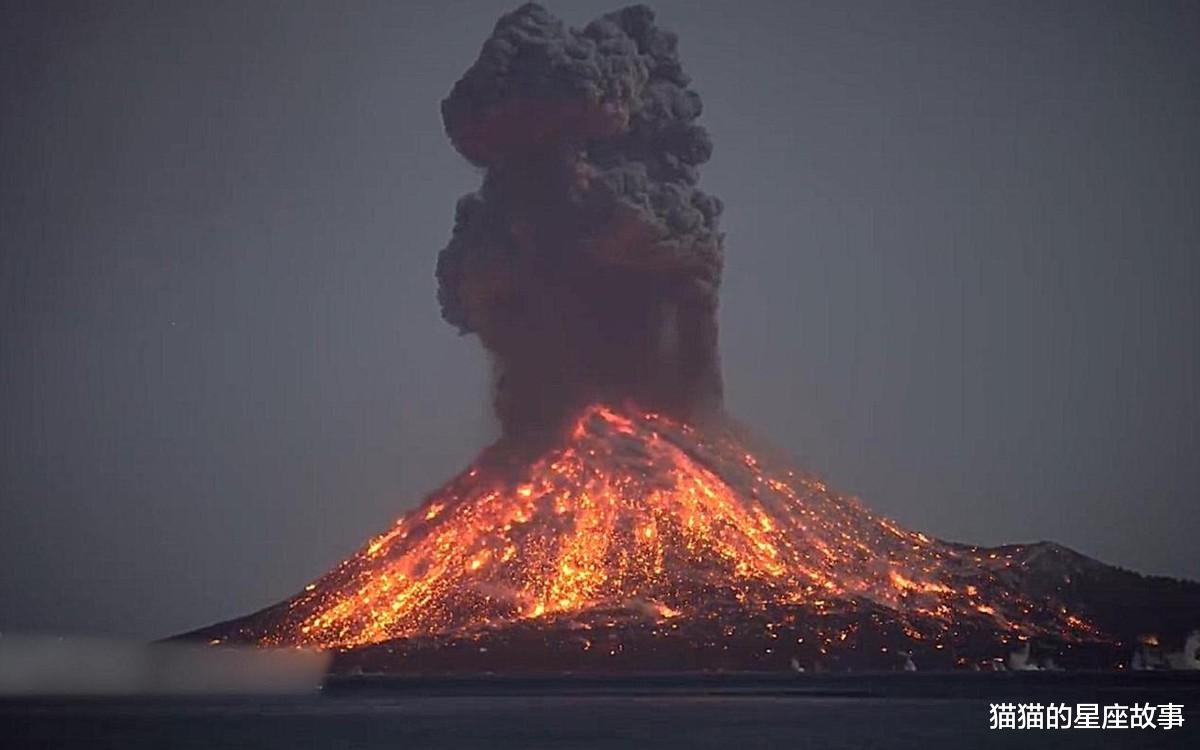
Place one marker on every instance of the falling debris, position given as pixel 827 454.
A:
pixel 623 521
pixel 656 534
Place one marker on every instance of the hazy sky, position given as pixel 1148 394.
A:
pixel 962 279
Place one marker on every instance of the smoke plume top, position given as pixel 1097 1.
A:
pixel 588 262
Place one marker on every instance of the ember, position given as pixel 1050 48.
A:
pixel 622 521
pixel 639 512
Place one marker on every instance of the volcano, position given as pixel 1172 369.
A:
pixel 643 543
pixel 623 521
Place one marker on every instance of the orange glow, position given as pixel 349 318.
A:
pixel 637 511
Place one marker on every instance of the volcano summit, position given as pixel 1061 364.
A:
pixel 622 521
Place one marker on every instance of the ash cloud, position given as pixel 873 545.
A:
pixel 588 262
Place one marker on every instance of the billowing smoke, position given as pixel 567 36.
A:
pixel 588 262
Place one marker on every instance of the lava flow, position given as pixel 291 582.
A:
pixel 640 514
pixel 599 535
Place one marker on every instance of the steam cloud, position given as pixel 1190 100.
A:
pixel 588 262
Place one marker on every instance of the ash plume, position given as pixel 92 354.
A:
pixel 612 530
pixel 588 262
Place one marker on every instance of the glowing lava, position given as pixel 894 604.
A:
pixel 637 513
pixel 589 263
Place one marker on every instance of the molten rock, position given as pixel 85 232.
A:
pixel 621 522
pixel 643 543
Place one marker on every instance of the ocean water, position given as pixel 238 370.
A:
pixel 732 712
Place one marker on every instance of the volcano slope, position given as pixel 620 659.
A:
pixel 622 522
pixel 641 543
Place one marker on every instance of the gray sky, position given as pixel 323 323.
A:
pixel 961 282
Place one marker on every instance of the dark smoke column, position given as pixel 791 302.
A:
pixel 588 262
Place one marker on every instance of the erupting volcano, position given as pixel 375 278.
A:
pixel 622 521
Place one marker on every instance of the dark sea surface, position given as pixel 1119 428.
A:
pixel 717 711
